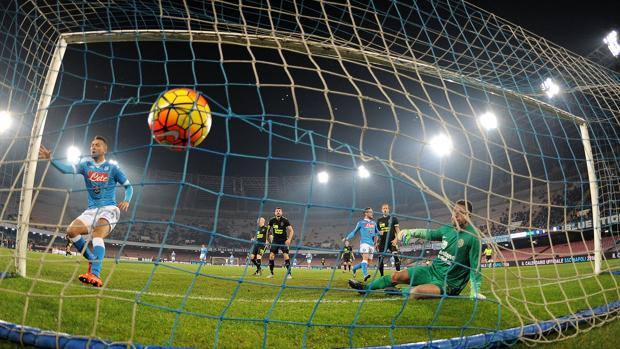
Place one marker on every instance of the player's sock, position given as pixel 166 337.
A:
pixel 349 267
pixel 287 264
pixel 357 266
pixel 365 268
pixel 381 266
pixel 382 282
pixel 253 260
pixel 99 252
pixel 397 263
pixel 79 243
pixel 257 262
pixel 271 263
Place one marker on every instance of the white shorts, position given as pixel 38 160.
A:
pixel 91 216
pixel 203 257
pixel 367 249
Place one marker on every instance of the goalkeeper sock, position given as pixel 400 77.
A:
pixel 382 282
pixel 99 252
pixel 257 262
pixel 80 243
pixel 271 263
pixel 365 268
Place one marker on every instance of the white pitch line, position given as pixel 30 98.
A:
pixel 207 298
pixel 222 299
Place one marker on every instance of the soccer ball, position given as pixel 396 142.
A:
pixel 180 117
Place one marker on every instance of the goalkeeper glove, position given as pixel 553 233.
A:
pixel 406 235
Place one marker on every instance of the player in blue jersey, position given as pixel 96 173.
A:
pixel 100 178
pixel 369 233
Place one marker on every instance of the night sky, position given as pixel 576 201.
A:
pixel 575 25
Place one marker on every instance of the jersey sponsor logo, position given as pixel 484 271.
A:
pixel 369 225
pixel 444 244
pixel 98 177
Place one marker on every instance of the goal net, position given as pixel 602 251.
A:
pixel 322 109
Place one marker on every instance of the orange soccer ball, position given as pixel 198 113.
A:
pixel 180 117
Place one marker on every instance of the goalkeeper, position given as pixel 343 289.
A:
pixel 457 263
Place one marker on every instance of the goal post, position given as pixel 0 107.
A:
pixel 32 157
pixel 596 217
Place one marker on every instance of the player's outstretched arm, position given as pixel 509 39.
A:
pixel 46 154
pixel 406 236
pixel 351 235
pixel 124 181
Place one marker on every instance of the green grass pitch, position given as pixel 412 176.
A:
pixel 189 305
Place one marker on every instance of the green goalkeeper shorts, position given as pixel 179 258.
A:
pixel 421 275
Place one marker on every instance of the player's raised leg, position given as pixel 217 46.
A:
pixel 75 230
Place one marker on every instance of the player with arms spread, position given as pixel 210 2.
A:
pixel 280 236
pixel 457 264
pixel 368 239
pixel 388 242
pixel 100 178
pixel 259 241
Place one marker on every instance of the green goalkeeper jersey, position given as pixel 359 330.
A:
pixel 459 258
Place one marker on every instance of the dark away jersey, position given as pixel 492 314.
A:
pixel 347 251
pixel 278 228
pixel 261 234
pixel 387 232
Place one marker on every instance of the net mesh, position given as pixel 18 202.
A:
pixel 296 88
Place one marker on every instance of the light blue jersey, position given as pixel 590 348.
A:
pixel 204 251
pixel 100 180
pixel 367 229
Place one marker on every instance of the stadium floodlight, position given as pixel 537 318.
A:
pixel 488 121
pixel 363 172
pixel 550 88
pixel 73 154
pixel 5 121
pixel 612 43
pixel 441 144
pixel 323 177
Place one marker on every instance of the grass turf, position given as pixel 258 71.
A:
pixel 190 305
